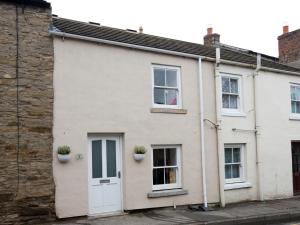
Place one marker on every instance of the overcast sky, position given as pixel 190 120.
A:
pixel 250 24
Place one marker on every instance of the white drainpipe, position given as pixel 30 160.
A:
pixel 201 103
pixel 218 92
pixel 257 129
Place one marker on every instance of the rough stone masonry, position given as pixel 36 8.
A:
pixel 26 112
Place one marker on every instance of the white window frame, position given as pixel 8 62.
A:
pixel 293 115
pixel 176 185
pixel 242 177
pixel 239 110
pixel 178 72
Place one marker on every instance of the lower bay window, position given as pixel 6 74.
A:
pixel 166 170
pixel 234 163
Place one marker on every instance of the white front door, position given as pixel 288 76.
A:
pixel 104 175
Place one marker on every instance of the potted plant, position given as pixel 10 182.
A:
pixel 139 153
pixel 63 153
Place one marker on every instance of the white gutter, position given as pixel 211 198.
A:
pixel 102 41
pixel 97 40
pixel 202 139
pixel 257 128
pixel 279 71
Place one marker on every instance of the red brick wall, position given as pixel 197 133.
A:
pixel 289 47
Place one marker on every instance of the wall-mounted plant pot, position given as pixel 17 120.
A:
pixel 138 157
pixel 63 158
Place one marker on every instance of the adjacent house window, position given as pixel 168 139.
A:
pixel 166 86
pixel 231 93
pixel 166 167
pixel 295 99
pixel 234 163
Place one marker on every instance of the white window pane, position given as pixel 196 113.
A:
pixel 171 159
pixel 159 96
pixel 111 158
pixel 171 78
pixel 225 84
pixel 159 77
pixel 236 155
pixel 225 101
pixel 293 94
pixel 158 157
pixel 170 175
pixel 171 97
pixel 158 176
pixel 234 86
pixel 97 159
pixel 295 107
pixel 235 171
pixel 227 171
pixel 297 93
pixel 233 101
pixel 228 155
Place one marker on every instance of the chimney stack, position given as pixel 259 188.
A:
pixel 289 47
pixel 211 39
pixel 285 29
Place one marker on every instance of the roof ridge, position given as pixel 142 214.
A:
pixel 81 28
pixel 137 33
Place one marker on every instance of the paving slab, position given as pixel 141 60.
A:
pixel 269 212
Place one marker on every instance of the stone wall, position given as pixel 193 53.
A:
pixel 26 108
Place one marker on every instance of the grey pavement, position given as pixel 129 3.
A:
pixel 258 213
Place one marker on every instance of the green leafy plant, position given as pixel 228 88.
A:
pixel 140 150
pixel 64 150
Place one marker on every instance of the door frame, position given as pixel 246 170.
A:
pixel 294 143
pixel 89 148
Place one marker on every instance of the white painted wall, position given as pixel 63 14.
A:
pixel 246 137
pixel 105 89
pixel 277 132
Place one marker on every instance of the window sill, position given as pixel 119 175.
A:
pixel 234 114
pixel 167 193
pixel 294 117
pixel 168 110
pixel 237 186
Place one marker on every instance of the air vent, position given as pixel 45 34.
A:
pixel 130 30
pixel 94 23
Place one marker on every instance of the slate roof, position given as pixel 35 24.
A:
pixel 141 39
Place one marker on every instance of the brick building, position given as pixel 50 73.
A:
pixel 289 47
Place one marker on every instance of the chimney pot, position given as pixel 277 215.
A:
pixel 209 30
pixel 285 29
pixel 211 39
pixel 141 29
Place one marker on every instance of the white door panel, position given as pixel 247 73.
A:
pixel 104 180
